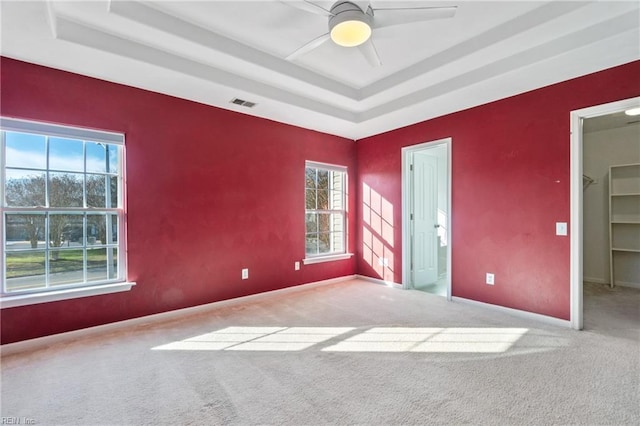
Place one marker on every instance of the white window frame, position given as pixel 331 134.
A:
pixel 73 290
pixel 333 254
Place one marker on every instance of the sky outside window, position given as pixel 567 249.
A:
pixel 25 150
pixel 66 154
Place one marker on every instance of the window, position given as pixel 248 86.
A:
pixel 325 210
pixel 62 208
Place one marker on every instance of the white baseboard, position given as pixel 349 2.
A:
pixel 603 281
pixel 516 312
pixel 595 280
pixel 379 281
pixel 628 284
pixel 41 342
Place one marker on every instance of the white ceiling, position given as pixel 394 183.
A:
pixel 610 121
pixel 214 51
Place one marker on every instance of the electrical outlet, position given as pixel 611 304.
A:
pixel 245 274
pixel 561 228
pixel 296 266
pixel 490 279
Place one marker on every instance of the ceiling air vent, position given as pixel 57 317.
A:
pixel 243 103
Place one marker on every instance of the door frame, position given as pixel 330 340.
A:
pixel 407 192
pixel 576 204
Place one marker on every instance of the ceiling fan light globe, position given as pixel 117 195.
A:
pixel 350 33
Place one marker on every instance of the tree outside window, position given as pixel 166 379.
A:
pixel 325 209
pixel 61 209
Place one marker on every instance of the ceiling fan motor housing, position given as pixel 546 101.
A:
pixel 346 11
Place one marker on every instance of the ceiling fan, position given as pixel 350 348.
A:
pixel 351 25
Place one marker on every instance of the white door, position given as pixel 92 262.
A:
pixel 425 219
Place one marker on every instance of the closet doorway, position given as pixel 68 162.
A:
pixel 605 215
pixel 426 224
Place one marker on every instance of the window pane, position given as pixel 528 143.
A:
pixel 97 264
pixel 112 263
pixel 25 188
pixel 337 241
pixel 66 267
pixel 324 245
pixel 337 179
pixel 323 180
pixel 312 244
pixel 310 202
pixel 65 230
pixel 310 178
pixel 96 195
pixel 25 231
pixel 323 222
pixel 25 270
pixel 114 202
pixel 96 229
pixel 102 264
pixel 323 199
pixel 96 157
pixel 65 190
pixel 113 155
pixel 25 150
pixel 311 222
pixel 115 230
pixel 66 154
pixel 337 222
pixel 336 200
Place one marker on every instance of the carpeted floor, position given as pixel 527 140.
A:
pixel 346 353
pixel 438 288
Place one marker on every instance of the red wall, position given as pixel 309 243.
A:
pixel 209 192
pixel 510 185
pixel 212 191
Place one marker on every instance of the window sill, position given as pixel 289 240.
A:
pixel 72 293
pixel 329 258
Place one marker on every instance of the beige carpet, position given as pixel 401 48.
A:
pixel 346 353
pixel 438 288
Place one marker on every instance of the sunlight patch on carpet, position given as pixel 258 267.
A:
pixel 452 339
pixel 257 339
pixel 377 339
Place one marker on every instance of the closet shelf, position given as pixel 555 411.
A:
pixel 624 223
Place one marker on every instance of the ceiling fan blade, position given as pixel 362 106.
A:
pixel 368 50
pixel 315 43
pixel 308 6
pixel 388 17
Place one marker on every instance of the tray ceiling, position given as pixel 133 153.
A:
pixel 214 51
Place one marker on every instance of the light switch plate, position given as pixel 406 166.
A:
pixel 561 228
pixel 245 274
pixel 490 279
